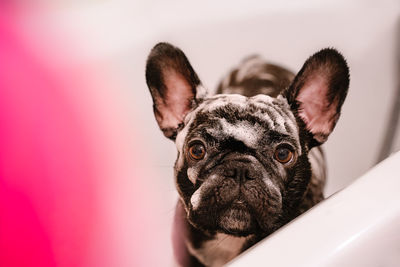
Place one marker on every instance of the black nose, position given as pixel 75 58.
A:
pixel 240 171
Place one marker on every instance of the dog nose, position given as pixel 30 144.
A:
pixel 239 171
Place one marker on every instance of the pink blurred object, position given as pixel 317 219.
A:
pixel 46 181
pixel 58 169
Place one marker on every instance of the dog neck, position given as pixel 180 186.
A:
pixel 193 247
pixel 217 251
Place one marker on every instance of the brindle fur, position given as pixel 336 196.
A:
pixel 301 185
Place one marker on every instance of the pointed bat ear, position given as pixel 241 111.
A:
pixel 173 86
pixel 318 91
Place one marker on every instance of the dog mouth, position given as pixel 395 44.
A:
pixel 236 219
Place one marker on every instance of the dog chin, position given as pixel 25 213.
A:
pixel 237 221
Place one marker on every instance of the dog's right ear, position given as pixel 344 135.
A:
pixel 173 86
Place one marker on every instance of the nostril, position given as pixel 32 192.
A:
pixel 248 175
pixel 242 174
pixel 231 173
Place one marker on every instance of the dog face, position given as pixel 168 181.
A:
pixel 238 152
pixel 242 165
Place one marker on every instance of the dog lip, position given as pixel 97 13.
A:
pixel 239 204
pixel 237 219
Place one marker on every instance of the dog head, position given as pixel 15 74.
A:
pixel 242 165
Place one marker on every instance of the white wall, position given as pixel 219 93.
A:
pixel 216 35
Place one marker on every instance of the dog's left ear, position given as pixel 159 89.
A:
pixel 318 91
pixel 174 86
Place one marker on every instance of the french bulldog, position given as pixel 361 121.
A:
pixel 249 158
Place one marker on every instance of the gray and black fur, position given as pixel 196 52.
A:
pixel 239 190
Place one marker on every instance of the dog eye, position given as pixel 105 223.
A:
pixel 197 151
pixel 283 154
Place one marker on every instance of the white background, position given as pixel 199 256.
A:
pixel 216 35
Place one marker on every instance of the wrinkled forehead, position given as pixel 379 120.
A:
pixel 245 119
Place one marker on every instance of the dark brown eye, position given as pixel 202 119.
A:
pixel 197 151
pixel 283 154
